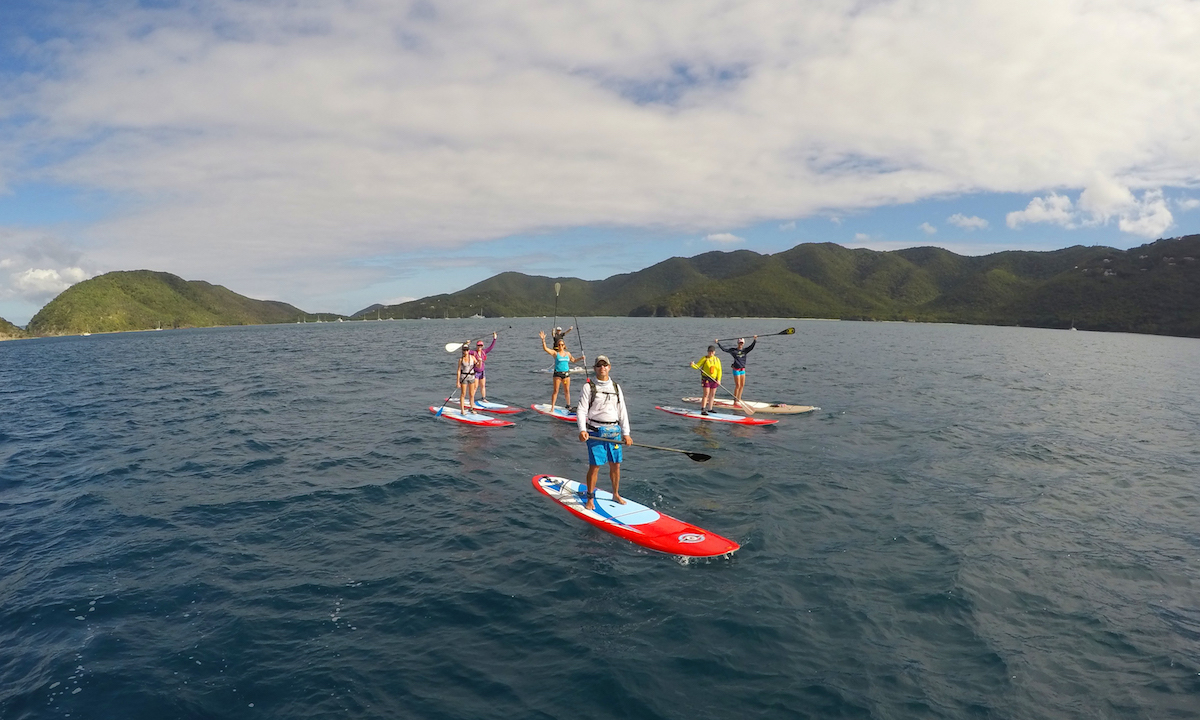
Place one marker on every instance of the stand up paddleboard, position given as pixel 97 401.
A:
pixel 633 521
pixel 495 407
pixel 471 418
pixel 716 416
pixel 571 371
pixel 758 407
pixel 560 413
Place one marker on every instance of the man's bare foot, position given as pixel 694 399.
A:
pixel 590 504
pixel 618 499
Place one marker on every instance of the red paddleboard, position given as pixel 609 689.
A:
pixel 495 407
pixel 471 418
pixel 635 522
pixel 716 416
pixel 559 412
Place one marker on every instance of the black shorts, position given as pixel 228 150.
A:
pixel 563 375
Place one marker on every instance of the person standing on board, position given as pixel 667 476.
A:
pixel 465 373
pixel 602 414
pixel 562 369
pixel 710 378
pixel 481 356
pixel 738 366
pixel 560 334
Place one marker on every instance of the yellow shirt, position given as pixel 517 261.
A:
pixel 710 366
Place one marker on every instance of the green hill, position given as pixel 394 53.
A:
pixel 1154 288
pixel 144 300
pixel 9 331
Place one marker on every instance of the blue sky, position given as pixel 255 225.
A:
pixel 339 153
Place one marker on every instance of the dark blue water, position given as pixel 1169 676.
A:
pixel 267 522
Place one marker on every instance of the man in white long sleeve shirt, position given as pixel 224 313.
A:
pixel 602 414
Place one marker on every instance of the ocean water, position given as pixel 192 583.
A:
pixel 267 522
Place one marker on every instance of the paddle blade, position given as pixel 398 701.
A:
pixel 699 457
pixel 453 347
pixel 789 331
pixel 557 287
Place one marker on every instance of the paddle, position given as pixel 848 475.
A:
pixel 582 354
pixel 698 457
pixel 557 287
pixel 789 331
pixel 745 408
pixel 455 347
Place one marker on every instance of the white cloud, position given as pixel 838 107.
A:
pixel 43 284
pixel 788 225
pixel 861 237
pixel 1054 209
pixel 295 135
pixel 1098 204
pixel 927 228
pixel 725 239
pixel 50 265
pixel 1149 218
pixel 1104 198
pixel 967 223
pixel 1187 203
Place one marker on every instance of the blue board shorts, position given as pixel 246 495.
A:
pixel 738 372
pixel 600 452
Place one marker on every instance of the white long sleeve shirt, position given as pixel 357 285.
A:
pixel 608 408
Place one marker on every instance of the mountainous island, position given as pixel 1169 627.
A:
pixel 146 300
pixel 9 331
pixel 1154 288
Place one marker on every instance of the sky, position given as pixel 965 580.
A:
pixel 338 153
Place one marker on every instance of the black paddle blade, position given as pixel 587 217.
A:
pixel 699 457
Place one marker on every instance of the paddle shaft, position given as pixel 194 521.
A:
pixel 745 408
pixel 443 407
pixel 582 353
pixel 789 331
pixel 698 457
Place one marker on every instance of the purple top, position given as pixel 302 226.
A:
pixel 481 356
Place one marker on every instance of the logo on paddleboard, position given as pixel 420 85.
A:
pixel 691 538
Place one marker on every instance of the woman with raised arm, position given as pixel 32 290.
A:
pixel 465 372
pixel 562 368
pixel 710 378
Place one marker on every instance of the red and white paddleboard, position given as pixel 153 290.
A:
pixel 496 408
pixel 634 522
pixel 471 418
pixel 560 413
pixel 716 416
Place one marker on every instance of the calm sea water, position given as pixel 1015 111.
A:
pixel 267 522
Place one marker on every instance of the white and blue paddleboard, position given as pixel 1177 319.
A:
pixel 470 418
pixel 559 412
pixel 495 407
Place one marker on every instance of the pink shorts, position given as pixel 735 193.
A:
pixel 705 382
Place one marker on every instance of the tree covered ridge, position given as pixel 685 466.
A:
pixel 1153 288
pixel 8 330
pixel 145 299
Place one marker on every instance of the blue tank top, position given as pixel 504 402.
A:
pixel 562 363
